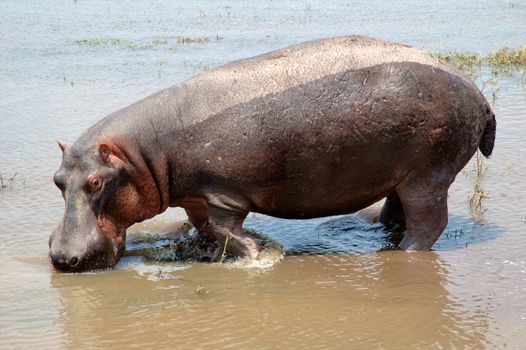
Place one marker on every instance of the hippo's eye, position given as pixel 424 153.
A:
pixel 94 184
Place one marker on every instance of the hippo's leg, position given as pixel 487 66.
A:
pixel 225 226
pixel 392 215
pixel 425 208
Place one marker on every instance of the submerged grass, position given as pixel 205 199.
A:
pixel 508 58
pixel 479 195
pixel 7 182
pixel 116 42
pixel 100 42
pixel 190 40
pixel 462 60
pixel 503 60
pixel 223 255
pixel 456 233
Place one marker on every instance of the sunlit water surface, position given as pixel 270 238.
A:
pixel 470 292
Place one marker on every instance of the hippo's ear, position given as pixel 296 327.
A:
pixel 62 145
pixel 104 152
pixel 110 155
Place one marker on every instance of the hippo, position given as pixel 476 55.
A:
pixel 321 128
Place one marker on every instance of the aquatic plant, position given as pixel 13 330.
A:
pixel 506 57
pixel 159 272
pixel 160 42
pixel 100 42
pixel 4 183
pixel 478 195
pixel 116 42
pixel 475 201
pixel 191 40
pixel 456 233
pixel 461 60
pixel 223 254
pixel 503 60
pixel 159 73
pixel 200 291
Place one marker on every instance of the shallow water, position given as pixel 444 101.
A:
pixel 468 293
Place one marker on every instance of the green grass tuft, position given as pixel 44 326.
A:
pixel 507 57
pixel 504 60
pixel 116 42
pixel 99 42
pixel 191 40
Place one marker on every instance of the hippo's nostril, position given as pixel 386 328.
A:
pixel 58 261
pixel 56 258
pixel 73 261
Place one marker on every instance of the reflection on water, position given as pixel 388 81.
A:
pixel 469 293
pixel 331 301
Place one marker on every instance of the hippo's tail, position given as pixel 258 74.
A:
pixel 488 138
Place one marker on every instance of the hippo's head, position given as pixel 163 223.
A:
pixel 103 197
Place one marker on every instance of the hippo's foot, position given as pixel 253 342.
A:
pixel 233 240
pixel 226 227
pixel 205 248
pixel 425 214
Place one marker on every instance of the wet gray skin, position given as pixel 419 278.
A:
pixel 83 241
pixel 321 128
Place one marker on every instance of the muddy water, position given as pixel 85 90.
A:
pixel 335 289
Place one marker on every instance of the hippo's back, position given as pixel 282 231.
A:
pixel 241 81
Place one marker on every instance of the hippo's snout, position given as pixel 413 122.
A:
pixel 92 250
pixel 63 257
pixel 63 262
pixel 92 259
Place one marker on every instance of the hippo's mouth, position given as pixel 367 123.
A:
pixel 100 249
pixel 90 262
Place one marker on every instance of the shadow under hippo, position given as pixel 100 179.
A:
pixel 347 234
